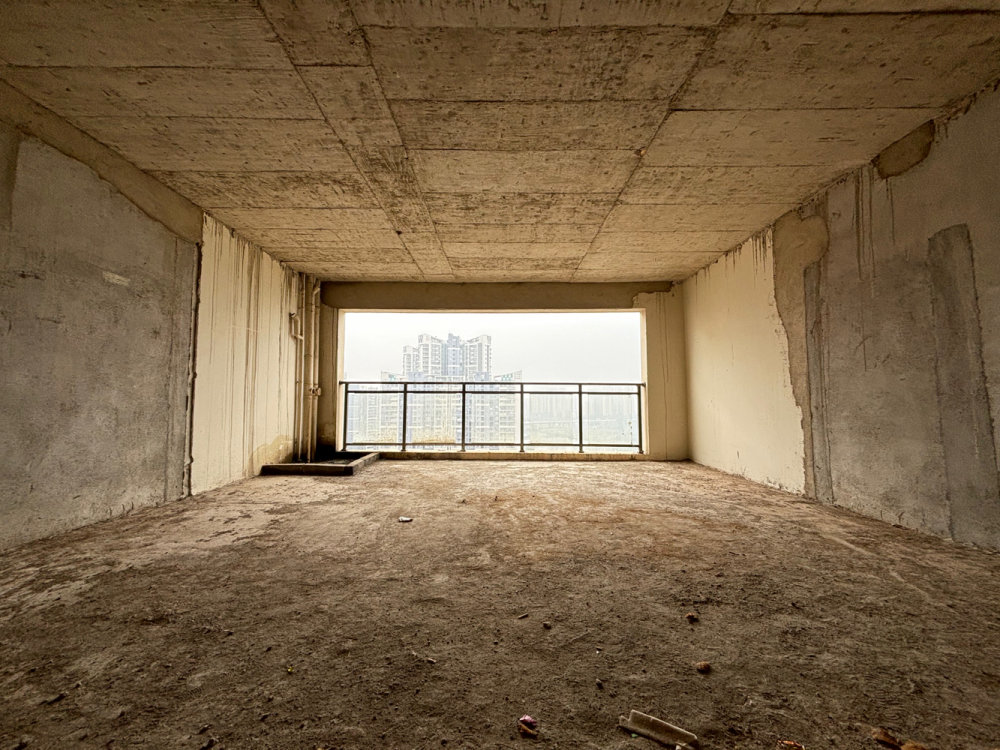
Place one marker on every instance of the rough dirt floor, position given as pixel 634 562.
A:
pixel 298 612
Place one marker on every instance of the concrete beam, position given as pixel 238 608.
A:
pixel 505 296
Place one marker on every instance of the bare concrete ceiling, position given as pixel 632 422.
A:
pixel 510 140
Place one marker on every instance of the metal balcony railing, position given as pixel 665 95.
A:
pixel 492 416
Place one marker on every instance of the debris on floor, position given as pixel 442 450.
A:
pixel 704 667
pixel 885 739
pixel 882 737
pixel 790 745
pixel 692 617
pixel 657 729
pixel 527 726
pixel 405 519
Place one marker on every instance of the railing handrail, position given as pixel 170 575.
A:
pixel 518 388
pixel 488 382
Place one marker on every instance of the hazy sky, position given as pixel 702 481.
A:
pixel 574 347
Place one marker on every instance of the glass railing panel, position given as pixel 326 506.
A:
pixel 610 419
pixel 551 418
pixel 374 419
pixel 434 419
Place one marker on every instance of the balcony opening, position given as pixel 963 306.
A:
pixel 494 382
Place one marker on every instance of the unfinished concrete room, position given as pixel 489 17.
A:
pixel 779 529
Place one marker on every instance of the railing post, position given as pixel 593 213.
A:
pixel 521 428
pixel 347 395
pixel 638 411
pixel 463 416
pixel 405 387
pixel 579 393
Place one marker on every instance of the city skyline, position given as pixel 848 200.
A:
pixel 545 347
pixel 464 404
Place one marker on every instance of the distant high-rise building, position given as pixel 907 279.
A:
pixel 442 369
pixel 436 418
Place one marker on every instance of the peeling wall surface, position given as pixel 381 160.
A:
pixel 743 417
pixel 903 319
pixel 244 395
pixel 96 303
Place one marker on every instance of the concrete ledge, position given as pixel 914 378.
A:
pixel 484 456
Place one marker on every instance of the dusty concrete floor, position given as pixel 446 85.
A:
pixel 299 613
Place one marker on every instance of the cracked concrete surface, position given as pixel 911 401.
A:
pixel 555 140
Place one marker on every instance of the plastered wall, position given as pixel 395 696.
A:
pixel 96 307
pixel 903 333
pixel 245 360
pixel 743 417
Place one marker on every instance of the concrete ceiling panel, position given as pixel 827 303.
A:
pixel 635 243
pixel 645 262
pixel 315 218
pixel 515 274
pixel 352 101
pixel 390 173
pixel 271 189
pixel 512 263
pixel 381 255
pixel 804 137
pixel 641 12
pixel 496 14
pixel 535 148
pixel 174 33
pixel 317 32
pixel 425 249
pixel 527 65
pixel 166 92
pixel 537 13
pixel 523 172
pixel 324 238
pixel 859 6
pixel 491 126
pixel 519 208
pixel 670 268
pixel 182 144
pixel 693 185
pixel 680 218
pixel 846 61
pixel 564 250
pixel 352 271
pixel 517 232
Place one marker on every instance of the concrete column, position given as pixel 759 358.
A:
pixel 664 371
pixel 328 433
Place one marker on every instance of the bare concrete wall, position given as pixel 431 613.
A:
pixel 96 302
pixel 245 360
pixel 743 417
pixel 903 320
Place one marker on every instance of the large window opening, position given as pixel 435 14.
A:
pixel 549 382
